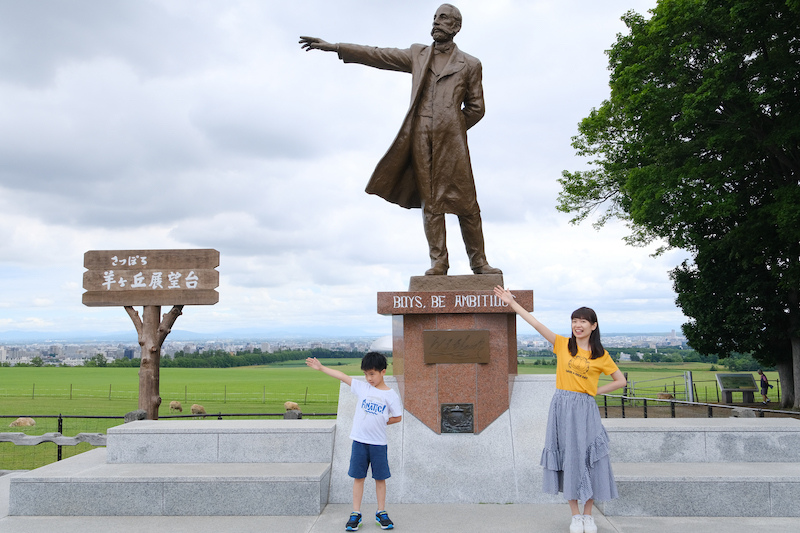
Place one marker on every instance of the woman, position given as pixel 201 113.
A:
pixel 575 456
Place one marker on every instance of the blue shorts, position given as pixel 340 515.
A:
pixel 362 455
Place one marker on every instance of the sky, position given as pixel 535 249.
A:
pixel 202 124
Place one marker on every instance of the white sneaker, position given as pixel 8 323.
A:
pixel 577 524
pixel 588 524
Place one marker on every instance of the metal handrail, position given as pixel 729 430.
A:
pixel 699 404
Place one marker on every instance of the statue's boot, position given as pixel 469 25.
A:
pixel 472 233
pixel 437 243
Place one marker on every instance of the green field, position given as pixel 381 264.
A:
pixel 263 389
pixel 649 378
pixel 112 392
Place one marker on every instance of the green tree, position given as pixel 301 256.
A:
pixel 698 147
pixel 97 360
pixel 37 361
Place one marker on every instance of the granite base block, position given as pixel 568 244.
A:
pixel 784 498
pixel 162 448
pixel 64 498
pixel 704 440
pixel 754 446
pixel 87 485
pixel 220 498
pixel 705 489
pixel 652 498
pixel 222 441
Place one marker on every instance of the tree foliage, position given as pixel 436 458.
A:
pixel 698 147
pixel 96 360
pixel 223 359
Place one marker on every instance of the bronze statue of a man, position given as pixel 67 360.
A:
pixel 428 164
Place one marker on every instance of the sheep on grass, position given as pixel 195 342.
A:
pixel 293 411
pixel 175 405
pixel 22 421
pixel 198 409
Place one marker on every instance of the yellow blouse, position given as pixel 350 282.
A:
pixel 580 373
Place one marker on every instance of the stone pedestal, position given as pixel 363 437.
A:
pixel 454 350
pixel 498 465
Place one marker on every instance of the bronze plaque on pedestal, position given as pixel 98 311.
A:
pixel 458 418
pixel 456 346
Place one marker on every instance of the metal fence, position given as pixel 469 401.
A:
pixel 683 387
pixel 622 406
pixel 184 393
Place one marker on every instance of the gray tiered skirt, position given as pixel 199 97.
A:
pixel 575 456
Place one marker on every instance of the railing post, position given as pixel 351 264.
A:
pixel 605 404
pixel 644 402
pixel 672 409
pixel 60 430
pixel 710 412
pixel 622 403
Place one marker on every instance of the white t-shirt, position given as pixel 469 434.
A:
pixel 373 410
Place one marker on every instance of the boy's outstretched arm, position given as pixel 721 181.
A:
pixel 314 363
pixel 393 420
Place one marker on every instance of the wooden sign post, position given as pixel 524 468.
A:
pixel 151 278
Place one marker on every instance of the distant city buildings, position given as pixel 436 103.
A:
pixel 75 354
pixel 672 339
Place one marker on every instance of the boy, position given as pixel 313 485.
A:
pixel 378 406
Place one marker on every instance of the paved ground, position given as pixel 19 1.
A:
pixel 412 518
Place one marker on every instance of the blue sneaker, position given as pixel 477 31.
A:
pixel 383 520
pixel 354 522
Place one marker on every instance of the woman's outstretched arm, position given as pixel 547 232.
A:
pixel 507 297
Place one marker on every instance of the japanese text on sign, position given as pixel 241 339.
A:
pixel 156 280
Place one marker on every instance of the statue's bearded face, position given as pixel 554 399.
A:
pixel 446 24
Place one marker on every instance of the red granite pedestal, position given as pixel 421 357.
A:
pixel 457 304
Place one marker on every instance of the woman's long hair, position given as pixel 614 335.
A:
pixel 596 346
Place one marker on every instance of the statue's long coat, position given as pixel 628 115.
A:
pixel 457 106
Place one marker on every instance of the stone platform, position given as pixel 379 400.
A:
pixel 705 467
pixel 188 468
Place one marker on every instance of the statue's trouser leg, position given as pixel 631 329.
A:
pixel 472 233
pixel 437 239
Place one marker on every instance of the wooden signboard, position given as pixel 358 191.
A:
pixel 150 277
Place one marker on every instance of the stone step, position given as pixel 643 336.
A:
pixel 705 489
pixel 703 440
pixel 86 485
pixel 222 441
